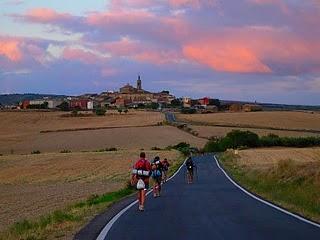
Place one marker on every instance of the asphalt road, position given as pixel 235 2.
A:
pixel 211 208
pixel 170 117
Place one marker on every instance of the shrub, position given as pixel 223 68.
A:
pixel 270 140
pixel 64 106
pixel 188 110
pixel 156 149
pixel 74 112
pixel 65 151
pixel 35 152
pixel 240 139
pixel 112 149
pixel 243 138
pixel 101 111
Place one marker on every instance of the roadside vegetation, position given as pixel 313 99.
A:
pixel 246 139
pixel 63 223
pixel 291 184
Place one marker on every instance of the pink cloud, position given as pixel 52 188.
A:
pixel 77 54
pixel 226 57
pixel 120 17
pixel 255 50
pixel 192 3
pixel 141 51
pixel 45 15
pixel 10 49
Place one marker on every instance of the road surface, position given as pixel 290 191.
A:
pixel 170 117
pixel 211 208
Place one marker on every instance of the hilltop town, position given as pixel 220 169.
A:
pixel 129 96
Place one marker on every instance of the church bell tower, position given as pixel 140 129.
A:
pixel 139 83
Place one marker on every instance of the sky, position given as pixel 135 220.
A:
pixel 251 50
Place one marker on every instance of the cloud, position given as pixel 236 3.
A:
pixel 196 4
pixel 225 56
pixel 140 51
pixel 14 2
pixel 10 49
pixel 45 15
pixel 77 54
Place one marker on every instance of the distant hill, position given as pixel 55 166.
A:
pixel 13 99
pixel 277 107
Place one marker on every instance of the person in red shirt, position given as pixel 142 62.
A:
pixel 141 170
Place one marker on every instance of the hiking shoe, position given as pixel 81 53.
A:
pixel 141 208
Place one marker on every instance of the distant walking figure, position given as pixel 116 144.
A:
pixel 190 170
pixel 156 175
pixel 165 168
pixel 140 178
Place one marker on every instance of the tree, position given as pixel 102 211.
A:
pixel 176 103
pixel 215 102
pixel 154 105
pixel 64 106
pixel 120 110
pixel 101 111
pixel 126 111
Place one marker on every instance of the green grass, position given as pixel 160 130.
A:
pixel 290 185
pixel 63 220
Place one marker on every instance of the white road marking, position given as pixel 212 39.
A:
pixel 265 202
pixel 103 234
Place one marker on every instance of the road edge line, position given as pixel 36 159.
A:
pixel 104 232
pixel 264 201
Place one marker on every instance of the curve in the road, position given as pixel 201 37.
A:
pixel 211 208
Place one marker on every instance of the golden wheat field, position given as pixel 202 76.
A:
pixel 21 132
pixel 33 185
pixel 211 131
pixel 265 158
pixel 281 120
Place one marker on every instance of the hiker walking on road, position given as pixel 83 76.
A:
pixel 140 178
pixel 165 168
pixel 156 175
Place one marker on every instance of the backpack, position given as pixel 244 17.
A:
pixel 141 169
pixel 156 174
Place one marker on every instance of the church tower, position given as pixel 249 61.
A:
pixel 139 83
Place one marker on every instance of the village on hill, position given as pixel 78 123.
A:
pixel 129 96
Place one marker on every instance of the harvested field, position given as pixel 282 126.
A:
pixel 21 127
pixel 123 138
pixel 278 120
pixel 266 158
pixel 33 185
pixel 210 131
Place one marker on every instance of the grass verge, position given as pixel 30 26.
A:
pixel 62 224
pixel 291 185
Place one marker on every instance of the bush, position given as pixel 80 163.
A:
pixel 188 110
pixel 239 139
pixel 156 149
pixel 243 138
pixel 35 152
pixel 64 106
pixel 65 151
pixel 270 140
pixel 112 149
pixel 100 111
